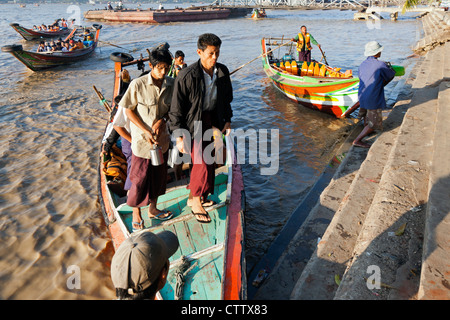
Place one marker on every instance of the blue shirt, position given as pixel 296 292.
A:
pixel 373 76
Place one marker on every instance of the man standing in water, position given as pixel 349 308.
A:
pixel 147 102
pixel 202 94
pixel 304 47
pixel 374 75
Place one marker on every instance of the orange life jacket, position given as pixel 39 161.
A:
pixel 300 42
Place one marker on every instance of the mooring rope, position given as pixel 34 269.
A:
pixel 180 274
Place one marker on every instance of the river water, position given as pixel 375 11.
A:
pixel 51 124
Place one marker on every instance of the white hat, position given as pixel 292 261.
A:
pixel 372 48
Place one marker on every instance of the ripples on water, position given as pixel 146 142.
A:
pixel 51 124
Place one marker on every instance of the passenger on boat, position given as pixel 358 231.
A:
pixel 177 64
pixel 110 6
pixel 41 47
pixel 66 47
pixel 47 46
pixel 147 101
pixel 89 42
pixel 304 47
pixel 43 27
pixel 79 44
pixel 87 33
pixel 63 24
pixel 374 75
pixel 212 106
pixel 140 266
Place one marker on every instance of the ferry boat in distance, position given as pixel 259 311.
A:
pixel 165 15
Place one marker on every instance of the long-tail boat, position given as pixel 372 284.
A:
pixel 30 34
pixel 38 61
pixel 210 254
pixel 315 85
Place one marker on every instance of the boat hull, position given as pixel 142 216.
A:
pixel 337 96
pixel 215 250
pixel 157 16
pixel 29 34
pixel 37 61
pixel 41 61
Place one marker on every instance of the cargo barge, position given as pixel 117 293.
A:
pixel 164 15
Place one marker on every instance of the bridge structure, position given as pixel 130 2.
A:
pixel 388 6
pixel 273 4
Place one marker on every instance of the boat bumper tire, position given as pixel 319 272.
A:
pixel 121 57
pixel 12 48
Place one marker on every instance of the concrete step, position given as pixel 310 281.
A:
pixel 446 65
pixel 436 32
pixel 282 278
pixel 287 270
pixel 334 250
pixel 435 275
pixel 382 248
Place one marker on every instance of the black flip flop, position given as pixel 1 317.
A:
pixel 201 214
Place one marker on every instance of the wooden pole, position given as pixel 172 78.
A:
pixel 259 57
pixel 102 100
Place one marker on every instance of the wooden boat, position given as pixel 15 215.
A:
pixel 158 16
pixel 30 34
pixel 38 61
pixel 314 85
pixel 258 14
pixel 215 250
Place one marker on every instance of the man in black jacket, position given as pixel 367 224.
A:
pixel 202 94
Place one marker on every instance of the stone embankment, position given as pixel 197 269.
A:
pixel 436 26
pixel 381 229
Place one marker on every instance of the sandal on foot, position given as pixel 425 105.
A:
pixel 200 214
pixel 158 216
pixel 137 226
pixel 361 144
pixel 208 203
pixel 205 204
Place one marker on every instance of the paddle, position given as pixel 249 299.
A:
pixel 102 100
pixel 71 34
pixel 111 44
pixel 260 56
pixel 323 55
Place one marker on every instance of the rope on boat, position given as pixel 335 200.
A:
pixel 180 274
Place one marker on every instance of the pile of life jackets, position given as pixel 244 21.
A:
pixel 312 69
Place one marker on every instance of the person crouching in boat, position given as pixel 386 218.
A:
pixel 140 266
pixel 147 101
pixel 304 47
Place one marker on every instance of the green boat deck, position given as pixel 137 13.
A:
pixel 201 243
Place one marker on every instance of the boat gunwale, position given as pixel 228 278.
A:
pixel 30 34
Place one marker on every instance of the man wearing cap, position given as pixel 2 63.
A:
pixel 304 47
pixel 374 75
pixel 140 265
